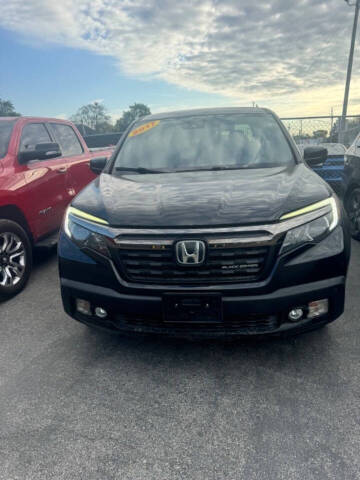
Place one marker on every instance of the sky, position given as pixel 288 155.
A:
pixel 288 55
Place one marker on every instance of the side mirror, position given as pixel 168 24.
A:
pixel 97 164
pixel 315 156
pixel 43 151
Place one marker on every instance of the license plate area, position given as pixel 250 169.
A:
pixel 192 309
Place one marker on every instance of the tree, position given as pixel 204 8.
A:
pixel 95 116
pixel 135 111
pixel 7 109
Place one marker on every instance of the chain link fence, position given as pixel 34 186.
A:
pixel 325 129
pixel 305 131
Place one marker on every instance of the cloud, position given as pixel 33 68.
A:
pixel 267 51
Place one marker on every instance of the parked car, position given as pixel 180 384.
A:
pixel 206 223
pixel 352 187
pixel 44 163
pixel 332 170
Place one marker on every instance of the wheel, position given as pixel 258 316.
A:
pixel 15 259
pixel 352 206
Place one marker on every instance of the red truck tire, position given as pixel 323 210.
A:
pixel 15 258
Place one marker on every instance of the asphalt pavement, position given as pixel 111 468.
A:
pixel 76 403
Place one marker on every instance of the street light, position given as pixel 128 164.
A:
pixel 349 69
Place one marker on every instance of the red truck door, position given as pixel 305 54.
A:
pixel 74 152
pixel 46 181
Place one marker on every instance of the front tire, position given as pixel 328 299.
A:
pixel 352 206
pixel 15 259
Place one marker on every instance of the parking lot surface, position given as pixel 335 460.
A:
pixel 77 403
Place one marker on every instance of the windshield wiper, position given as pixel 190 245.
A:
pixel 209 168
pixel 194 169
pixel 228 167
pixel 233 167
pixel 139 170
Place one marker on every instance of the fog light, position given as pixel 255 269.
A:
pixel 318 308
pixel 295 314
pixel 100 312
pixel 83 306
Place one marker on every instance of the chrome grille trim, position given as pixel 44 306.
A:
pixel 214 243
pixel 144 244
pixel 253 231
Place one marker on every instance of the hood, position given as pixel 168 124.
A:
pixel 193 199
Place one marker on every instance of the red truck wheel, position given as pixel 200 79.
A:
pixel 15 259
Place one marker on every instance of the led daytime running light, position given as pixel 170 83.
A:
pixel 315 206
pixel 86 216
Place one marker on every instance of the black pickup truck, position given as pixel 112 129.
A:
pixel 206 223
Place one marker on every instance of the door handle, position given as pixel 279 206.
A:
pixel 62 170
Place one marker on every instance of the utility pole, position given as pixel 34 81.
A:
pixel 332 118
pixel 349 69
pixel 332 124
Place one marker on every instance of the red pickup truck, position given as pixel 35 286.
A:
pixel 44 163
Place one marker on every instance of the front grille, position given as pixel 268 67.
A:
pixel 225 262
pixel 251 323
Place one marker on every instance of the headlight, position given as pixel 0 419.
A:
pixel 84 237
pixel 313 231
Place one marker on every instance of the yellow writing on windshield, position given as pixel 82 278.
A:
pixel 144 128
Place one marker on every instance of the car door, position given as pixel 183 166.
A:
pixel 78 160
pixel 46 180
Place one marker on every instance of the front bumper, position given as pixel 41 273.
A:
pixel 242 315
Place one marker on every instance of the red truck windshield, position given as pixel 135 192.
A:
pixel 5 134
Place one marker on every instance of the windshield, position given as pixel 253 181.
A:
pixel 5 134
pixel 206 142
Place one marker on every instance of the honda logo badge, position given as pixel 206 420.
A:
pixel 190 252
